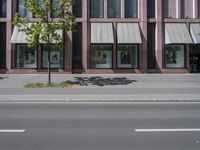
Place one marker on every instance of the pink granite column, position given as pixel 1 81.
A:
pixel 143 27
pixel 187 57
pixel 195 9
pixel 8 36
pixel 115 45
pixel 159 45
pixel 68 52
pixel 85 36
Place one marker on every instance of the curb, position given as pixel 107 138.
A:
pixel 101 98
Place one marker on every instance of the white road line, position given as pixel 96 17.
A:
pixel 167 130
pixel 11 131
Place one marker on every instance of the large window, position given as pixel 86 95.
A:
pixel 77 9
pixel 151 8
pixel 174 56
pixel 3 5
pixel 96 8
pixel 21 9
pixel 101 56
pixel 114 8
pixel 77 47
pixel 127 56
pixel 131 8
pixel 3 46
pixel 56 56
pixel 25 57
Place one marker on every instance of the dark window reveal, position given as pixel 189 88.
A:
pixel 3 46
pixel 77 9
pixel 151 46
pixel 77 47
pixel 166 8
pixel 151 8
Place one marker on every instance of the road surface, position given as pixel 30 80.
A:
pixel 100 126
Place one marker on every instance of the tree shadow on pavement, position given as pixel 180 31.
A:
pixel 1 78
pixel 100 81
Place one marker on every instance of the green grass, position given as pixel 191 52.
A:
pixel 45 85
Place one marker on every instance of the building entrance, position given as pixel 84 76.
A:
pixel 195 58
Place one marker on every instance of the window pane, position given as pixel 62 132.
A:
pixel 101 56
pixel 3 5
pixel 21 9
pixel 77 47
pixel 131 8
pixel 26 57
pixel 175 56
pixel 77 9
pixel 56 56
pixel 96 8
pixel 127 56
pixel 151 8
pixel 114 8
pixel 3 46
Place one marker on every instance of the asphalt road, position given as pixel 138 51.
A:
pixel 100 126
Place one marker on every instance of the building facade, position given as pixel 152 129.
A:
pixel 113 36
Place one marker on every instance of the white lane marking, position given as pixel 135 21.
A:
pixel 11 131
pixel 167 130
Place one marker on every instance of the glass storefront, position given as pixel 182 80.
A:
pixel 56 56
pixel 127 56
pixel 25 57
pixel 3 8
pixel 101 56
pixel 21 9
pixel 174 56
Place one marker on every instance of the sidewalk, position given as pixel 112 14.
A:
pixel 106 88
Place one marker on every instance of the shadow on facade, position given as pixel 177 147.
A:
pixel 100 81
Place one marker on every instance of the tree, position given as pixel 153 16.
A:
pixel 52 16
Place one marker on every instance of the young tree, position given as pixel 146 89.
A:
pixel 52 16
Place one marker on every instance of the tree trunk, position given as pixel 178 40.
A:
pixel 49 65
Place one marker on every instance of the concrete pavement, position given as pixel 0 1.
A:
pixel 117 87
